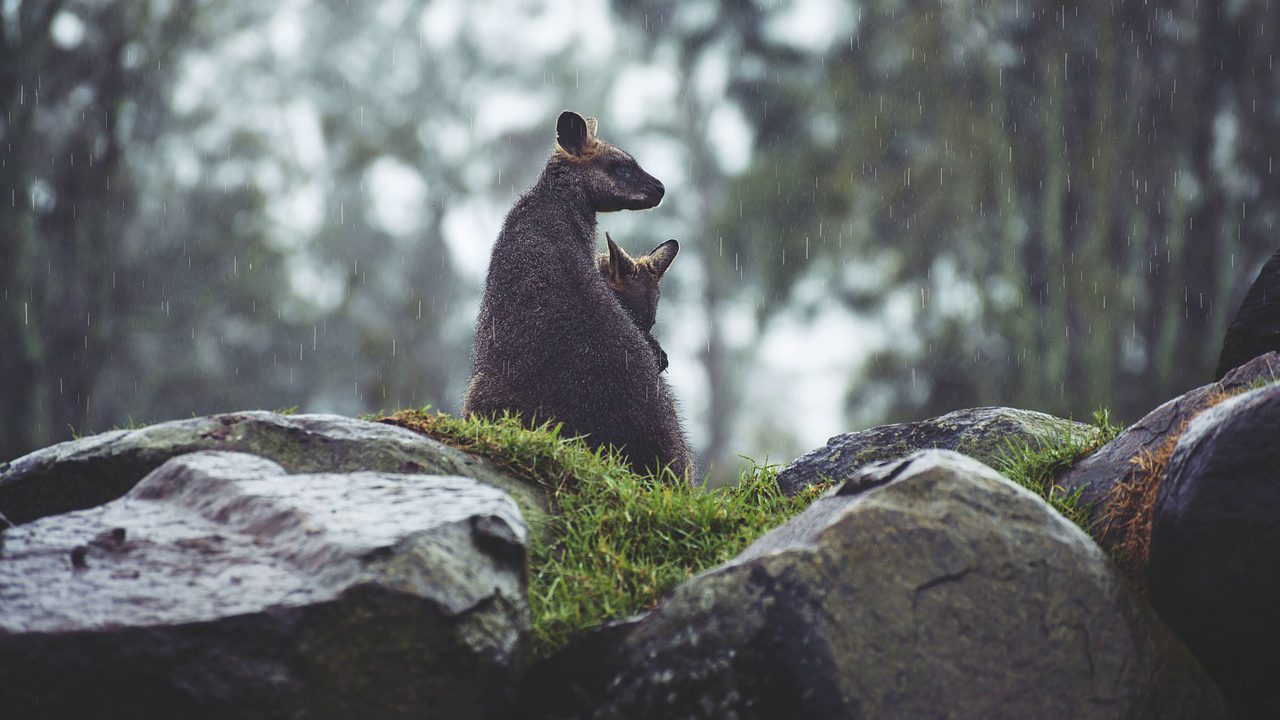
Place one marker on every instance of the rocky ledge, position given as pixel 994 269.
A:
pixel 220 586
pixel 260 565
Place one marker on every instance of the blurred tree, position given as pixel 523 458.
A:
pixel 369 82
pixel 78 81
pixel 1070 197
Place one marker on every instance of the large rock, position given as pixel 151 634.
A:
pixel 1097 475
pixel 1255 329
pixel 220 587
pixel 926 587
pixel 90 471
pixel 1213 571
pixel 981 433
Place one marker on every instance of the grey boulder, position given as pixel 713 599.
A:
pixel 82 473
pixel 981 433
pixel 926 587
pixel 222 587
pixel 1213 572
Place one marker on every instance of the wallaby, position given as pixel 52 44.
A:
pixel 635 282
pixel 552 341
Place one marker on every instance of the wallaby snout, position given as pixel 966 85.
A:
pixel 657 192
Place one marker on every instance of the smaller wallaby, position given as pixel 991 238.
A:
pixel 635 282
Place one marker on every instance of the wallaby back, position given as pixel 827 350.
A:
pixel 552 341
pixel 636 284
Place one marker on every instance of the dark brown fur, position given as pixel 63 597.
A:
pixel 636 284
pixel 552 341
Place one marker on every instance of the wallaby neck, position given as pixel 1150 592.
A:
pixel 558 192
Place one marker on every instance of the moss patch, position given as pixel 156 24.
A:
pixel 1037 464
pixel 616 540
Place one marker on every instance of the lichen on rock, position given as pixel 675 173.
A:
pixel 980 433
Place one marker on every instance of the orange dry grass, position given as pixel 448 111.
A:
pixel 1131 504
pixel 1131 507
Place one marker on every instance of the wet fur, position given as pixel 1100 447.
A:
pixel 552 340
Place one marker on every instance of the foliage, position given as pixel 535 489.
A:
pixel 1027 192
pixel 69 110
pixel 1036 465
pixel 618 540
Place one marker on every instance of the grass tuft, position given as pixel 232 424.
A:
pixel 1038 464
pixel 618 541
pixel 131 424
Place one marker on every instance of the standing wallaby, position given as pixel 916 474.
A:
pixel 634 281
pixel 552 341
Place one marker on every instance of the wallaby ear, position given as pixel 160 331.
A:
pixel 591 130
pixel 620 263
pixel 571 133
pixel 661 257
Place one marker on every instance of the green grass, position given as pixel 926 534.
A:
pixel 1037 465
pixel 617 540
pixel 131 424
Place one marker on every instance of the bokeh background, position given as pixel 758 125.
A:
pixel 887 209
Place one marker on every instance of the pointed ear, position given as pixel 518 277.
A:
pixel 591 130
pixel 620 263
pixel 571 133
pixel 661 257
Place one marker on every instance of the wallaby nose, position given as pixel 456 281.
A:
pixel 660 190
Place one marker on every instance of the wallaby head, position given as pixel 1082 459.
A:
pixel 610 177
pixel 635 281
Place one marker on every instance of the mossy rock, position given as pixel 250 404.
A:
pixel 981 433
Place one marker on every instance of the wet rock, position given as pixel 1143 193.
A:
pixel 90 471
pixel 1113 463
pixel 926 587
pixel 981 433
pixel 1255 329
pixel 1213 573
pixel 221 587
